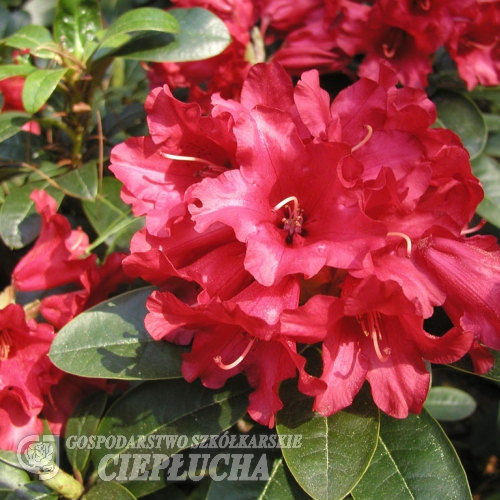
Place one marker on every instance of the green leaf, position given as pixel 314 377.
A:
pixel 493 145
pixel 19 220
pixel 10 70
pixel 17 148
pixel 81 182
pixel 33 491
pixel 31 37
pixel 39 86
pixel 460 114
pixel 465 365
pixel 76 23
pixel 335 450
pixel 110 341
pixel 11 122
pixel 139 20
pixel 281 485
pixel 83 422
pixel 449 404
pixel 11 478
pixel 487 170
pixel 414 460
pixel 110 217
pixel 202 35
pixel 108 491
pixel 159 409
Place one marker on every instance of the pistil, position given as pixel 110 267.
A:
pixel 294 220
pixel 211 168
pixel 406 238
pixel 365 140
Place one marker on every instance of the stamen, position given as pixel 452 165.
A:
pixel 389 53
pixel 211 166
pixel 406 238
pixel 365 140
pixel 285 201
pixel 5 343
pixel 220 364
pixel 78 241
pixel 425 4
pixel 370 324
pixel 294 220
pixel 474 229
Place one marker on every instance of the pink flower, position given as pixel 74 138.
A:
pixel 57 256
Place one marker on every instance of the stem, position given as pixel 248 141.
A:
pixel 64 484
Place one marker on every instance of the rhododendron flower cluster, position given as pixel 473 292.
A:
pixel 328 35
pixel 30 385
pixel 284 220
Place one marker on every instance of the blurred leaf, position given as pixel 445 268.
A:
pixel 335 451
pixel 39 86
pixel 84 422
pixel 202 35
pixel 10 70
pixel 11 478
pixel 81 182
pixel 20 147
pixel 460 114
pixel 493 145
pixel 11 122
pixel 163 408
pixel 19 220
pixel 31 37
pixel 110 341
pixel 487 170
pixel 108 490
pixel 449 404
pixel 414 460
pixel 33 491
pixel 76 23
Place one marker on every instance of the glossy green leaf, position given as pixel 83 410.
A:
pixel 11 478
pixel 10 70
pixel 11 122
pixel 281 485
pixel 76 23
pixel 19 220
pixel 17 148
pixel 140 20
pixel 487 170
pixel 460 114
pixel 110 341
pixel 415 461
pixel 140 487
pixel 32 37
pixel 39 86
pixel 81 182
pixel 202 35
pixel 108 490
pixel 83 422
pixel 449 404
pixel 335 451
pixel 160 409
pixel 10 458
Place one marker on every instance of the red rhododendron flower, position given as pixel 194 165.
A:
pixel 57 256
pixel 342 224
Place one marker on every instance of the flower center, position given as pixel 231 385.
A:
pixel 423 4
pixel 393 39
pixel 371 327
pixel 293 220
pixel 236 362
pixel 5 343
